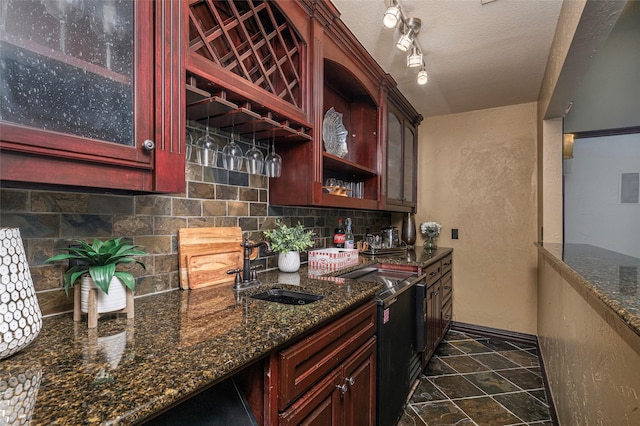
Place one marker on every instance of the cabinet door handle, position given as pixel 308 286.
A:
pixel 148 145
pixel 342 388
pixel 436 293
pixel 350 381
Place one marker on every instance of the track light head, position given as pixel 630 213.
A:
pixel 410 29
pixel 415 58
pixel 392 16
pixel 423 78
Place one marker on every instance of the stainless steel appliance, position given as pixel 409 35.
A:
pixel 390 237
pixel 398 358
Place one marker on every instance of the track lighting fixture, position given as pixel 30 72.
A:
pixel 415 58
pixel 392 15
pixel 423 78
pixel 409 29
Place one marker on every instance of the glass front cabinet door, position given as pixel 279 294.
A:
pixel 84 99
pixel 401 162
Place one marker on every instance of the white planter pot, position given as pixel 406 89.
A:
pixel 114 301
pixel 289 261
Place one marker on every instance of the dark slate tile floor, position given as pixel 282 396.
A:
pixel 476 380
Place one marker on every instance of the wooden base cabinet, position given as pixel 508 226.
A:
pixel 327 378
pixel 345 397
pixel 438 305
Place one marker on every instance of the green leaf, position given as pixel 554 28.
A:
pixel 102 276
pixel 127 279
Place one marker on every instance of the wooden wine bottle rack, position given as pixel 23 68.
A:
pixel 252 40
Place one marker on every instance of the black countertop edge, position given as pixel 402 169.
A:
pixel 578 264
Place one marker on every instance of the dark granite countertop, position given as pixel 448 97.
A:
pixel 418 258
pixel 178 343
pixel 611 277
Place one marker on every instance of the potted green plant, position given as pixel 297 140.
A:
pixel 95 265
pixel 288 242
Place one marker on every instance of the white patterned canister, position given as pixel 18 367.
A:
pixel 20 316
pixel 18 393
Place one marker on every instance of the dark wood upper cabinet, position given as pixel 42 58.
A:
pixel 273 69
pixel 401 153
pixel 98 96
pixel 91 94
pixel 343 77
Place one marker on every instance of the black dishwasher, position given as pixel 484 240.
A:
pixel 398 355
pixel 398 359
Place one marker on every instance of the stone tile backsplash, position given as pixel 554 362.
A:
pixel 49 220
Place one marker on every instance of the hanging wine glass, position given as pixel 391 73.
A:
pixel 206 150
pixel 64 11
pixel 232 155
pixel 189 143
pixel 255 158
pixel 273 163
pixel 109 26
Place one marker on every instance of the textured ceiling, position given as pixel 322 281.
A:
pixel 477 55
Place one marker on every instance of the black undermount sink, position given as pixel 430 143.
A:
pixel 287 297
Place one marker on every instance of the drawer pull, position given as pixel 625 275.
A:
pixel 351 381
pixel 446 264
pixel 433 274
pixel 446 287
pixel 342 388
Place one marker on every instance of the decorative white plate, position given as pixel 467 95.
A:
pixel 334 134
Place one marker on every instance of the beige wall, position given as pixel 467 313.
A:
pixel 477 173
pixel 551 220
pixel 591 358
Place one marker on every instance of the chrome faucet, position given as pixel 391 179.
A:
pixel 249 276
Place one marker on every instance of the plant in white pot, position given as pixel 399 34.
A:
pixel 95 265
pixel 288 242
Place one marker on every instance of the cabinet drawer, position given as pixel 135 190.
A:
pixel 446 264
pixel 447 287
pixel 308 361
pixel 432 273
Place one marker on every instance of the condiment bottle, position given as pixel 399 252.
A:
pixel 349 239
pixel 339 235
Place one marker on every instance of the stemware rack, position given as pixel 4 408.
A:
pixel 241 117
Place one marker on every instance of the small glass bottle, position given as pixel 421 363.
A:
pixel 339 235
pixel 349 242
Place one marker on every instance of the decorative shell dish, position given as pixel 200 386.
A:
pixel 334 134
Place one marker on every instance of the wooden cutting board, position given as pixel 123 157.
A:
pixel 206 254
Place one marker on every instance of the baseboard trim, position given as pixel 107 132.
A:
pixel 495 332
pixel 514 337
